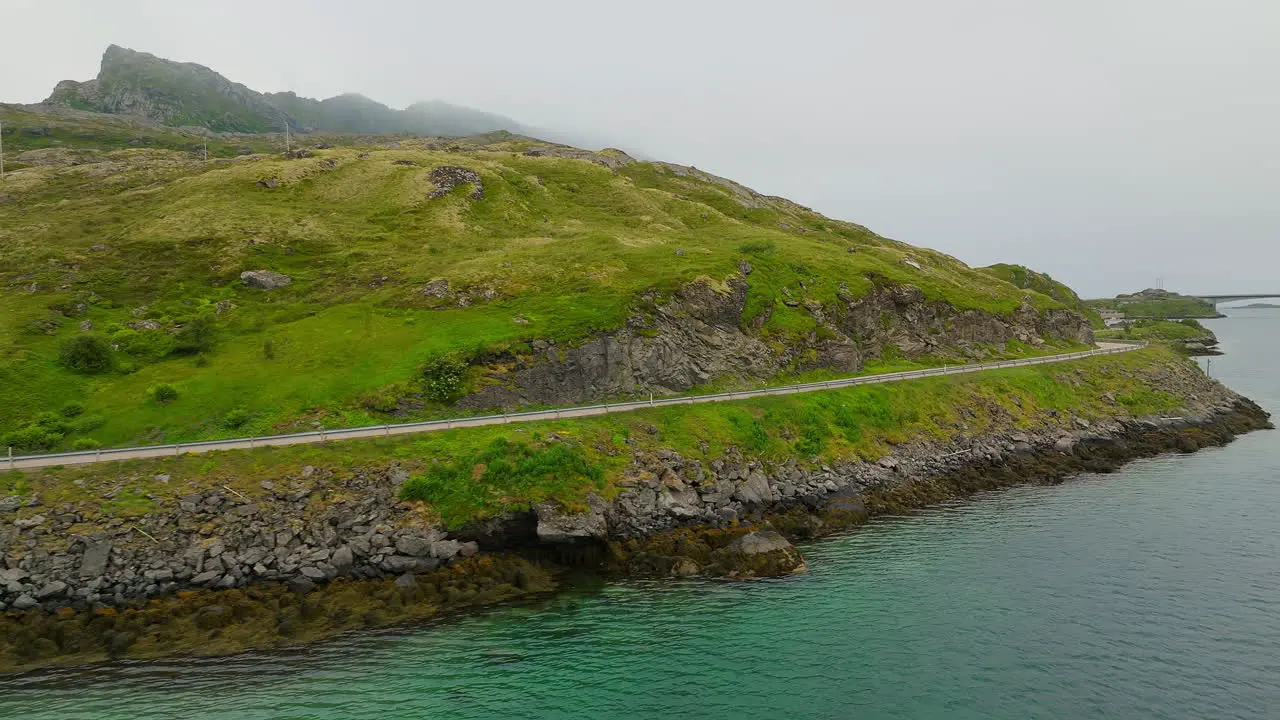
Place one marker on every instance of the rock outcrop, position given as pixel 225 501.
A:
pixel 448 177
pixel 700 335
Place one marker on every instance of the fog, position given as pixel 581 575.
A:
pixel 1110 143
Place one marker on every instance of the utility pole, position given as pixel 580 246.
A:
pixel 287 144
pixel 1 150
pixel 205 144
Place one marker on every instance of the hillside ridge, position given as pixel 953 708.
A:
pixel 189 94
pixel 150 295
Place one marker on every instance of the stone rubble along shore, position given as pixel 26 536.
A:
pixel 217 540
pixel 314 526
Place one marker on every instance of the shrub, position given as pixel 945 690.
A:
pixel 88 423
pixel 32 438
pixel 163 393
pixel 85 444
pixel 268 349
pixel 236 419
pixel 196 335
pixel 72 409
pixel 52 422
pixel 146 344
pixel 202 360
pixel 89 354
pixel 442 378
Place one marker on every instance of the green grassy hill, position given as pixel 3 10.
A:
pixel 1028 279
pixel 399 284
pixel 1157 305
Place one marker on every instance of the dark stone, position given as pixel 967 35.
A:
pixel 448 177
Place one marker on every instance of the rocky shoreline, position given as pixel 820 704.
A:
pixel 349 541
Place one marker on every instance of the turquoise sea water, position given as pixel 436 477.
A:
pixel 1153 592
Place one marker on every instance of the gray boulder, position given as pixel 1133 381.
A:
pixel 343 558
pixel 94 562
pixel 264 279
pixel 445 549
pixel 754 490
pixel 51 590
pixel 29 522
pixel 415 546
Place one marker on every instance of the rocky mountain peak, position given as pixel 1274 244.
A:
pixel 131 82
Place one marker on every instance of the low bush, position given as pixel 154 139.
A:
pixel 163 393
pixel 197 335
pixel 147 345
pixel 85 444
pixel 88 354
pixel 87 423
pixel 236 419
pixel 72 409
pixel 442 378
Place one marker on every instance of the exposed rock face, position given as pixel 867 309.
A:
pixel 437 288
pixel 555 525
pixel 609 157
pixel 698 340
pixel 448 177
pixel 700 335
pixel 265 279
pixel 136 83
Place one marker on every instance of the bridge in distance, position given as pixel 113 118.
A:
pixel 1219 299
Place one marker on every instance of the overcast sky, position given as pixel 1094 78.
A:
pixel 1107 142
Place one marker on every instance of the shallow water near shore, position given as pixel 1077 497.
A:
pixel 1151 592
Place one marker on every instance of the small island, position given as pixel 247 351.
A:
pixel 1153 303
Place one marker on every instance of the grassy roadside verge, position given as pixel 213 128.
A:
pixel 857 422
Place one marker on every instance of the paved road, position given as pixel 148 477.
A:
pixel 92 456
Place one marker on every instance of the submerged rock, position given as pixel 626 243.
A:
pixel 764 553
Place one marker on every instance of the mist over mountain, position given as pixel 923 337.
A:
pixel 188 94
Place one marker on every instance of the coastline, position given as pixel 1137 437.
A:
pixel 670 517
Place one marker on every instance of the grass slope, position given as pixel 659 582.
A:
pixel 1028 279
pixel 557 249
